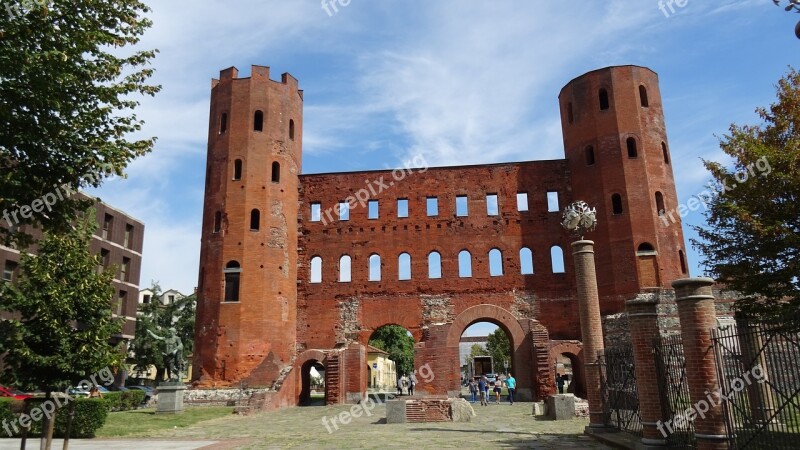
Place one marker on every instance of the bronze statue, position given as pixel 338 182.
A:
pixel 173 354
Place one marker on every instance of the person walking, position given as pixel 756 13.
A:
pixel 511 383
pixel 473 389
pixel 482 391
pixel 497 389
pixel 412 382
pixel 560 383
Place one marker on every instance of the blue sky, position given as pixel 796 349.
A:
pixel 460 82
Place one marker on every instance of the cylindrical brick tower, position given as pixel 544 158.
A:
pixel 247 291
pixel 616 146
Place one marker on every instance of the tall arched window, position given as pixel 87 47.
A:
pixel 223 123
pixel 233 273
pixel 276 172
pixel 557 259
pixel 643 96
pixel 375 267
pixel 632 151
pixel 217 221
pixel 665 152
pixel 255 220
pixel 589 155
pixel 434 265
pixel 316 269
pixel 237 170
pixel 683 261
pixel 258 121
pixel 404 266
pixel 495 263
pixel 526 261
pixel 344 269
pixel 464 264
pixel 604 103
pixel 660 209
pixel 291 129
pixel 616 204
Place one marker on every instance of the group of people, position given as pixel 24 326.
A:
pixel 409 383
pixel 480 387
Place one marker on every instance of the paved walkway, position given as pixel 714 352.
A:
pixel 101 444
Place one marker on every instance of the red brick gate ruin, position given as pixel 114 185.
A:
pixel 287 282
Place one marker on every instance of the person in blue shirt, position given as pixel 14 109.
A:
pixel 511 384
pixel 482 391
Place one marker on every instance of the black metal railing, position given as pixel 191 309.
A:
pixel 618 384
pixel 673 386
pixel 759 371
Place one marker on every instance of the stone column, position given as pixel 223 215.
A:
pixel 591 327
pixel 643 322
pixel 698 317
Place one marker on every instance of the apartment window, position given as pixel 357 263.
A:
pixel 432 206
pixel 316 212
pixel 372 209
pixel 344 211
pixel 122 301
pixel 146 299
pixel 233 272
pixel 402 207
pixel 108 226
pixel 552 202
pixel 128 236
pixel 105 257
pixel 171 299
pixel 237 170
pixel 492 208
pixel 10 271
pixel 258 121
pixel 461 206
pixel 125 270
pixel 522 201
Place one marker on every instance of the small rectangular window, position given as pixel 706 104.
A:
pixel 128 236
pixel 108 226
pixel 402 207
pixel 105 257
pixel 344 211
pixel 461 206
pixel 373 209
pixel 121 303
pixel 522 201
pixel 146 299
pixel 492 208
pixel 316 212
pixel 9 271
pixel 432 206
pixel 552 202
pixel 125 270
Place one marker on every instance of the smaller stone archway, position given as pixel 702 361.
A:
pixel 573 350
pixel 303 365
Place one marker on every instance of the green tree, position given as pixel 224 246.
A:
pixel 67 88
pixel 398 343
pixel 158 318
pixel 476 350
pixel 752 238
pixel 61 313
pixel 499 347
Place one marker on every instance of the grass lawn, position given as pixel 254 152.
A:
pixel 146 421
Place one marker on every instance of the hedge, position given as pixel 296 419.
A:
pixel 123 401
pixel 90 415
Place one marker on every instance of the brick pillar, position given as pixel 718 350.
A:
pixel 591 326
pixel 698 317
pixel 643 322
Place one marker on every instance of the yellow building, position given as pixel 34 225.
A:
pixel 381 370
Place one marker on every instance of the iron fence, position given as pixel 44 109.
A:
pixel 673 386
pixel 618 384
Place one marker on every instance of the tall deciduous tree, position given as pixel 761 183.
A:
pixel 67 90
pixel 499 347
pixel 396 341
pixel 752 238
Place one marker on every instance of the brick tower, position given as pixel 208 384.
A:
pixel 616 147
pixel 247 291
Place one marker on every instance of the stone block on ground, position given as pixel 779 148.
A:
pixel 461 410
pixel 561 406
pixel 539 409
pixel 396 411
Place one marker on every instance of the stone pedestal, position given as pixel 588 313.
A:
pixel 561 407
pixel 170 398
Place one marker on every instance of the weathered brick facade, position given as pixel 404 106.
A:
pixel 278 320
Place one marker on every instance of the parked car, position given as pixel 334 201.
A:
pixel 82 391
pixel 118 388
pixel 492 377
pixel 148 392
pixel 14 393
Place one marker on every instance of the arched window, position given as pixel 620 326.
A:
pixel 645 247
pixel 276 172
pixel 434 265
pixel 557 259
pixel 589 155
pixel 665 152
pixel 233 273
pixel 643 96
pixel 683 261
pixel 237 170
pixel 344 269
pixel 464 264
pixel 404 266
pixel 258 121
pixel 495 263
pixel 375 267
pixel 223 123
pixel 316 269
pixel 616 204
pixel 526 261
pixel 217 221
pixel 660 209
pixel 632 151
pixel 570 117
pixel 291 129
pixel 255 220
pixel 604 104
